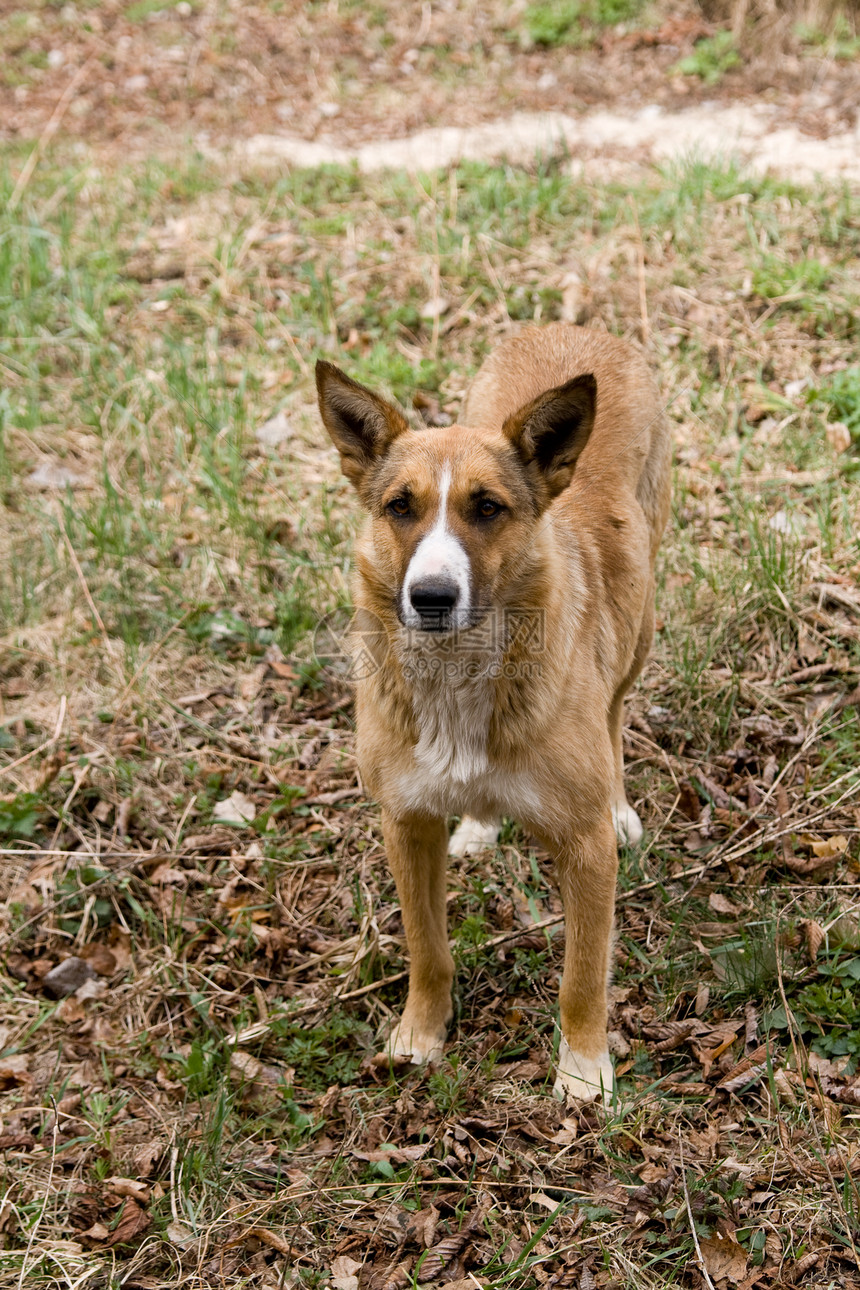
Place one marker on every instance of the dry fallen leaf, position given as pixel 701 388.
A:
pixel 71 1011
pixel 443 1253
pixel 835 846
pixel 724 1259
pixel 180 1234
pixel 814 934
pixel 720 904
pixel 98 1232
pixel 130 1188
pixel 133 1222
pixel 14 1070
pixel 100 958
pixel 395 1156
pixel 344 1272
pixel 422 1226
pixel 245 1068
pixel 164 876
pixel 235 809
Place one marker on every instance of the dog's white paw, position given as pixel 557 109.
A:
pixel 583 1079
pixel 471 837
pixel 628 826
pixel 414 1045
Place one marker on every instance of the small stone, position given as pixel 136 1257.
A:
pixel 435 307
pixel 67 977
pixel 838 436
pixel 56 58
pixel 782 522
pixel 275 431
pixel 134 84
pixel 329 109
pixel 574 298
pixel 52 475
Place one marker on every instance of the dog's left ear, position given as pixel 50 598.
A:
pixel 361 424
pixel 550 432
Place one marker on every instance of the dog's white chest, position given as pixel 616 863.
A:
pixel 453 723
pixel 451 772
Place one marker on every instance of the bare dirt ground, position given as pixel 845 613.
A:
pixel 346 76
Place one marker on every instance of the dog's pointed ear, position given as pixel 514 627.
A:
pixel 362 426
pixel 550 432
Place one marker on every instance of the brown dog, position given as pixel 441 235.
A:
pixel 506 582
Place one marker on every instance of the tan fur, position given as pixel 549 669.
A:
pixel 529 727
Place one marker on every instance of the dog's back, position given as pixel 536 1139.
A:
pixel 629 448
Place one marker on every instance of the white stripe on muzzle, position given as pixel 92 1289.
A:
pixel 439 556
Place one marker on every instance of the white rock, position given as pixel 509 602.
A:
pixel 782 522
pixel 838 436
pixel 435 308
pixel 275 431
pixel 51 475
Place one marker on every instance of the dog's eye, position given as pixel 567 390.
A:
pixel 487 509
pixel 399 507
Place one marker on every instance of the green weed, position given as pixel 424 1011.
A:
pixel 840 40
pixel 711 58
pixel 841 396
pixel 567 22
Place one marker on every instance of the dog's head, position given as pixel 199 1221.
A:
pixel 455 509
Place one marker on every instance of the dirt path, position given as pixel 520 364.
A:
pixel 599 140
pixel 422 85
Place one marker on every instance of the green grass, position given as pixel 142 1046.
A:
pixel 711 58
pixel 157 611
pixel 840 394
pixel 572 22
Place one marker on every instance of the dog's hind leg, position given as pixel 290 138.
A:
pixel 471 837
pixel 628 826
pixel 417 853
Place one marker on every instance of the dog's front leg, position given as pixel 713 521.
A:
pixel 417 853
pixel 586 869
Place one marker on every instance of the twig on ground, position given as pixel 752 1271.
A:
pixel 46 135
pixel 689 1208
pixel 25 1262
pixel 34 752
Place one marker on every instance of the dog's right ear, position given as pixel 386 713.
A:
pixel 361 424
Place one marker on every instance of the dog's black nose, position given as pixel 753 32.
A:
pixel 433 599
